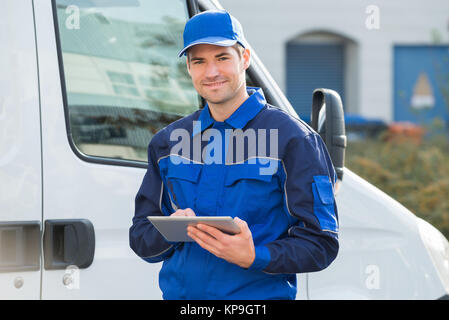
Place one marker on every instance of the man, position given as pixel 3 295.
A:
pixel 283 201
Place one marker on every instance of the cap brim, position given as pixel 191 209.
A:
pixel 217 41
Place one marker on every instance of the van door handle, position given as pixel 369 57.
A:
pixel 68 242
pixel 20 246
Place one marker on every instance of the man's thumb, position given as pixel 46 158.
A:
pixel 241 223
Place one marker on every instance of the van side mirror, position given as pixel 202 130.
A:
pixel 328 120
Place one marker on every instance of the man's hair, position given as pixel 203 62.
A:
pixel 238 47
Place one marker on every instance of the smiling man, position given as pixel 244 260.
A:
pixel 218 75
pixel 287 217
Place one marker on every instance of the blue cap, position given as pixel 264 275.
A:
pixel 212 27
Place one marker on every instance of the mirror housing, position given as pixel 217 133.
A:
pixel 328 120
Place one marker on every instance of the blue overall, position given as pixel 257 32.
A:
pixel 282 186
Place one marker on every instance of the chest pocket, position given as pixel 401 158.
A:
pixel 250 194
pixel 182 184
pixel 245 172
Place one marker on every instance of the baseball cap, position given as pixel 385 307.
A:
pixel 215 27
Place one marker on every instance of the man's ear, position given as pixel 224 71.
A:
pixel 188 65
pixel 246 58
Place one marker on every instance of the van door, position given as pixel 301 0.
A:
pixel 20 155
pixel 109 79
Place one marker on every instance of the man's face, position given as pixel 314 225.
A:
pixel 218 73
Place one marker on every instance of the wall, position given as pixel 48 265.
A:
pixel 269 25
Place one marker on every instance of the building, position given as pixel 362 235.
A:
pixel 389 60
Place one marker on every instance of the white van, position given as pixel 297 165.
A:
pixel 84 84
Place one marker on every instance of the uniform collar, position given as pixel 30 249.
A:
pixel 246 112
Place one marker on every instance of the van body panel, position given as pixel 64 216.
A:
pixel 76 189
pixel 20 144
pixel 381 254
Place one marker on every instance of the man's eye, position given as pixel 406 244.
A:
pixel 222 58
pixel 197 62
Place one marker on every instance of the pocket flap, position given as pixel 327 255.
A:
pixel 189 172
pixel 246 171
pixel 324 188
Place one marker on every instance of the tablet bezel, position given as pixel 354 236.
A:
pixel 174 228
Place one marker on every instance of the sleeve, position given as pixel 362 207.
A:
pixel 311 243
pixel 151 200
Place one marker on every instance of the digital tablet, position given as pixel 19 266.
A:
pixel 174 228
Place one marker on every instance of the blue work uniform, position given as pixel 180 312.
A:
pixel 282 186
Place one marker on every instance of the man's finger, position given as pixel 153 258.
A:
pixel 177 213
pixel 207 238
pixel 242 224
pixel 184 213
pixel 189 212
pixel 214 232
pixel 204 236
pixel 204 240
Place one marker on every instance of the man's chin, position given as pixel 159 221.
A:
pixel 215 99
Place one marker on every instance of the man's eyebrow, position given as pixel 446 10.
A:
pixel 222 54
pixel 196 58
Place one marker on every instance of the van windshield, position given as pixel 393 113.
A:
pixel 123 80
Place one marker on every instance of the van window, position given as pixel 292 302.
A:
pixel 123 80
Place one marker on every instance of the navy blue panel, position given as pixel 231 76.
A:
pixel 311 66
pixel 409 63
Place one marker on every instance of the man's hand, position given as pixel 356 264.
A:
pixel 237 249
pixel 183 212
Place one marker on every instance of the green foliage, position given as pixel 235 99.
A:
pixel 415 174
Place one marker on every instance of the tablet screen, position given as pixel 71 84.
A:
pixel 174 228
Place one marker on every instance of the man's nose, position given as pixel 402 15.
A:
pixel 211 70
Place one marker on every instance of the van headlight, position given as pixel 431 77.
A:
pixel 438 248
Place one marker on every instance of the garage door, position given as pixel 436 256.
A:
pixel 311 66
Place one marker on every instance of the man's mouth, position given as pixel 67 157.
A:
pixel 215 84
